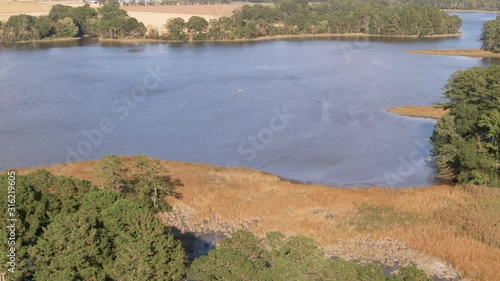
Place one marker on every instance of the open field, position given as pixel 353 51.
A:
pixel 433 112
pixel 473 53
pixel 439 228
pixel 157 16
pixel 10 8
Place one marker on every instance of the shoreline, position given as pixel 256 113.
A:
pixel 472 53
pixel 430 111
pixel 49 40
pixel 470 11
pixel 285 37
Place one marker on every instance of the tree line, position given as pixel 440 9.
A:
pixel 287 17
pixel 108 21
pixel 68 229
pixel 467 139
pixel 295 17
pixel 488 5
pixel 490 36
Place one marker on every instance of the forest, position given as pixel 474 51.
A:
pixel 467 139
pixel 296 17
pixel 490 36
pixel 287 17
pixel 108 21
pixel 69 229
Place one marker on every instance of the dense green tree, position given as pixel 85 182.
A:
pixel 112 172
pixel 74 246
pixel 196 27
pixel 176 27
pixel 466 140
pixel 143 249
pixel 66 28
pixel 490 36
pixel 44 26
pixel 246 257
pixel 334 17
pixel 153 183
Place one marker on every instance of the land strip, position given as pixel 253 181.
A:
pixel 434 112
pixel 473 53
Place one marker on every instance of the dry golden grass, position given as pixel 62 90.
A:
pixel 10 8
pixel 456 225
pixel 433 112
pixel 473 53
pixel 215 10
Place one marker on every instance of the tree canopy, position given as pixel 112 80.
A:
pixel 243 256
pixel 71 230
pixel 467 140
pixel 295 17
pixel 108 21
pixel 490 36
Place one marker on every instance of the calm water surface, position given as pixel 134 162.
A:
pixel 310 111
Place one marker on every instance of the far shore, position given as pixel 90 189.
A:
pixel 431 111
pixel 473 53
pixel 281 37
pixel 470 11
pixel 48 40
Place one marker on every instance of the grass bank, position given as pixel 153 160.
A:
pixel 473 53
pixel 442 229
pixel 433 112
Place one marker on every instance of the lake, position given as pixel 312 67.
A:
pixel 306 110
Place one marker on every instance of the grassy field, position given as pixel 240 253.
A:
pixel 433 112
pixel 473 53
pixel 442 229
pixel 153 16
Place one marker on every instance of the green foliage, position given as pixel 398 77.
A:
pixel 176 28
pixel 331 17
pixel 109 21
pixel 245 257
pixel 196 28
pixel 112 172
pixel 66 28
pixel 152 183
pixel 466 141
pixel 490 36
pixel 69 230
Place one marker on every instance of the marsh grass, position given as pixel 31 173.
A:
pixel 456 225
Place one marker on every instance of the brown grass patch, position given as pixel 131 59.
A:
pixel 212 10
pixel 433 112
pixel 438 227
pixel 473 53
